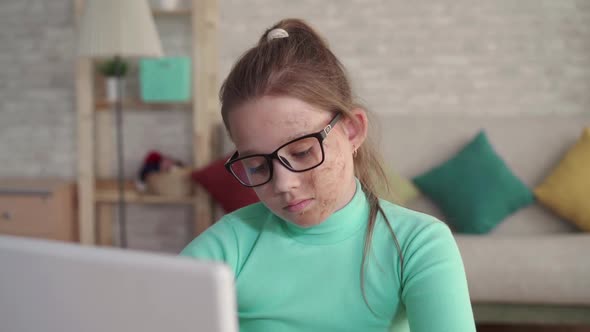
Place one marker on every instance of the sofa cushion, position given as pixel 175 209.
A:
pixel 566 190
pixel 398 189
pixel 416 142
pixel 532 220
pixel 475 189
pixel 223 187
pixel 508 269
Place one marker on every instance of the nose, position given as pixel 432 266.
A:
pixel 283 180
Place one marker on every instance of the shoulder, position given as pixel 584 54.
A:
pixel 245 220
pixel 416 230
pixel 250 216
pixel 232 231
pixel 427 244
pixel 410 221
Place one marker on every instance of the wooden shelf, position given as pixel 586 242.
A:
pixel 97 199
pixel 171 12
pixel 107 192
pixel 133 104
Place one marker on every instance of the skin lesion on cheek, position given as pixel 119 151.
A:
pixel 335 163
pixel 333 173
pixel 325 185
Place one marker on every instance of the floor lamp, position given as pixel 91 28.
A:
pixel 125 29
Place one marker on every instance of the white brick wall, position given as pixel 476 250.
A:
pixel 503 57
pixel 36 89
pixel 499 56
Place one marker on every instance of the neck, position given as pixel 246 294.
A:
pixel 348 194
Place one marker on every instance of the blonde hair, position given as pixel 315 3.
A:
pixel 295 61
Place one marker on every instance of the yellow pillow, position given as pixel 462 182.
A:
pixel 400 190
pixel 566 190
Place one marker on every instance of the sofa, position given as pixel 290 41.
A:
pixel 533 267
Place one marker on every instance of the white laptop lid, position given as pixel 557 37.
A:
pixel 58 287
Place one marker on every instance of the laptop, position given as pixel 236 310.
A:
pixel 63 287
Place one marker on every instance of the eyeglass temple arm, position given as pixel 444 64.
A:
pixel 331 125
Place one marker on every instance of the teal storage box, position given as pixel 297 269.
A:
pixel 165 79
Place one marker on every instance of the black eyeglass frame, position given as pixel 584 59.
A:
pixel 320 136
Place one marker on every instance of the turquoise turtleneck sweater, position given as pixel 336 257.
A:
pixel 291 278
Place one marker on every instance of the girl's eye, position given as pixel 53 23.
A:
pixel 258 169
pixel 301 154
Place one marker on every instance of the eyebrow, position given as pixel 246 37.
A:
pixel 288 139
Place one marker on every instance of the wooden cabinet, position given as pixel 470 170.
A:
pixel 38 208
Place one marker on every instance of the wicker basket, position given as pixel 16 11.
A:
pixel 175 183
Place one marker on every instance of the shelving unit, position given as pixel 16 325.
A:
pixel 132 104
pixel 97 188
pixel 106 192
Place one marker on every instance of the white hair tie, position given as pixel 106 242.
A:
pixel 276 34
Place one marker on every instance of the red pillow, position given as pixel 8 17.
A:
pixel 223 187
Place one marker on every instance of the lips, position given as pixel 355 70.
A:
pixel 298 205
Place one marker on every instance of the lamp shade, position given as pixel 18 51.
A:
pixel 118 28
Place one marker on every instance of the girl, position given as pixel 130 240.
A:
pixel 321 252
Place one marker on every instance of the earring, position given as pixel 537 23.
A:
pixel 354 151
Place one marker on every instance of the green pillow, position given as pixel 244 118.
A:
pixel 474 189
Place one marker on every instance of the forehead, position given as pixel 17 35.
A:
pixel 263 124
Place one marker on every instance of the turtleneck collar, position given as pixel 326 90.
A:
pixel 339 226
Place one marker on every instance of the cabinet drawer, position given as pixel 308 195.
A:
pixel 42 208
pixel 29 215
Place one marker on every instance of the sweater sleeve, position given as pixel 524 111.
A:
pixel 435 290
pixel 217 243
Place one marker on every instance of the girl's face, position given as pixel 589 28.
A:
pixel 307 198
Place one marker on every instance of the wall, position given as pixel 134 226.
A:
pixel 502 57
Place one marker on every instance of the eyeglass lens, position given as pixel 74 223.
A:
pixel 299 155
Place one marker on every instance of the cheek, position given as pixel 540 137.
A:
pixel 264 193
pixel 328 178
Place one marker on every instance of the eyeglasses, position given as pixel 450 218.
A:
pixel 299 155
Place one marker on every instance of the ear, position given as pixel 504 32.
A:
pixel 356 127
